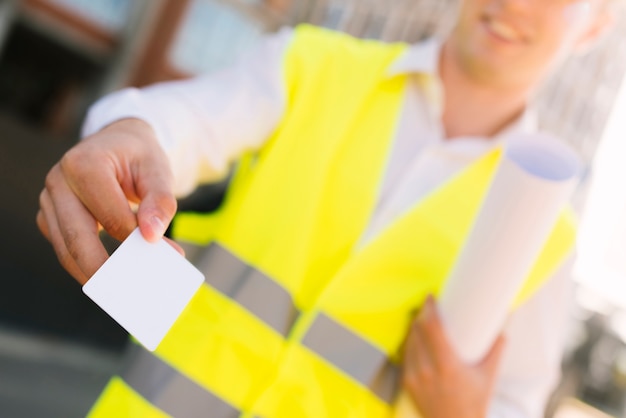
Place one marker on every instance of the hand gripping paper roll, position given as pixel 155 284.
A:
pixel 533 182
pixel 530 187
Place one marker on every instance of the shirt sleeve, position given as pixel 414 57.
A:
pixel 207 122
pixel 531 366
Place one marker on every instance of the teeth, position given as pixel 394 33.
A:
pixel 504 31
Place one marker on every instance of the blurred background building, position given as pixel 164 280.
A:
pixel 57 349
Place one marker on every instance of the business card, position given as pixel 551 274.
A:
pixel 144 287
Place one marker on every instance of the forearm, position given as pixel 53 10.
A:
pixel 205 123
pixel 177 128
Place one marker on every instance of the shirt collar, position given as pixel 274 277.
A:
pixel 423 58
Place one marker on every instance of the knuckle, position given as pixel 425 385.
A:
pixel 75 162
pixel 166 203
pixel 71 238
pixel 115 226
pixel 72 157
pixel 41 224
pixel 42 199
pixel 52 178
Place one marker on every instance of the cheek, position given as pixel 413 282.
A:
pixel 471 11
pixel 474 4
pixel 562 32
pixel 553 44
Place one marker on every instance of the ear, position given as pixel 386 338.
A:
pixel 602 23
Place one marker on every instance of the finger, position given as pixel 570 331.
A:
pixel 154 187
pixel 42 224
pixel 46 220
pixel 100 186
pixel 420 359
pixel 435 338
pixel 491 363
pixel 409 350
pixel 175 245
pixel 76 225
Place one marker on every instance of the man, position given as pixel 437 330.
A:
pixel 342 141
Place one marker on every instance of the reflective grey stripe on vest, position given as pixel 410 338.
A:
pixel 249 287
pixel 354 356
pixel 271 303
pixel 169 390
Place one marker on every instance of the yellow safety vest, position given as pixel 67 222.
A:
pixel 296 319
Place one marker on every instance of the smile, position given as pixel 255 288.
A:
pixel 503 31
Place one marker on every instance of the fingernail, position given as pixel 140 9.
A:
pixel 157 225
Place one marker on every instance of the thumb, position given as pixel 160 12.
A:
pixel 491 362
pixel 157 205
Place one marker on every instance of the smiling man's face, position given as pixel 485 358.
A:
pixel 517 42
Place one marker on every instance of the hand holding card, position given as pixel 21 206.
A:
pixel 144 287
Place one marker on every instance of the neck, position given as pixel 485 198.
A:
pixel 476 106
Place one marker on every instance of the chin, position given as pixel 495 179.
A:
pixel 493 69
pixel 484 59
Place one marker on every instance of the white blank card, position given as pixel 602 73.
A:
pixel 144 287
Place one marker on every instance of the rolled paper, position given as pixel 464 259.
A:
pixel 532 184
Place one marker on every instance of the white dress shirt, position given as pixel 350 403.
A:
pixel 206 123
